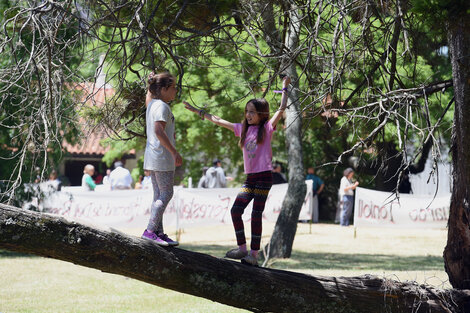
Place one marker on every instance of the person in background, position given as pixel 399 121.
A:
pixel 317 188
pixel 144 182
pixel 106 178
pixel 138 183
pixel 87 180
pixel 99 179
pixel 203 180
pixel 346 190
pixel 120 178
pixel 54 182
pixel 215 176
pixel 147 180
pixel 278 177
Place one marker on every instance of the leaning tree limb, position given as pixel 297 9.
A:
pixel 220 280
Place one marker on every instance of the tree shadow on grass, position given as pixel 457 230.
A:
pixel 214 250
pixel 339 261
pixel 13 254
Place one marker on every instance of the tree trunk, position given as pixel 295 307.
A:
pixel 220 280
pixel 457 251
pixel 282 239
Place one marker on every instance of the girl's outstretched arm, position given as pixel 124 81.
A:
pixel 277 116
pixel 212 118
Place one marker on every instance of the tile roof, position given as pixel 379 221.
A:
pixel 90 145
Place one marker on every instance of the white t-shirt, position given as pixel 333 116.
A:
pixel 157 157
pixel 215 178
pixel 345 182
pixel 120 178
pixel 147 182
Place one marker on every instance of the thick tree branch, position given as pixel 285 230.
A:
pixel 224 281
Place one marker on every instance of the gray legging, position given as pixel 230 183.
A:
pixel 162 183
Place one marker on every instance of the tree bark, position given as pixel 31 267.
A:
pixel 220 280
pixel 282 239
pixel 457 251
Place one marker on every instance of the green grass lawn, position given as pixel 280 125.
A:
pixel 35 284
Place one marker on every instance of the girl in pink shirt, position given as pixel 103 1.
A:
pixel 255 134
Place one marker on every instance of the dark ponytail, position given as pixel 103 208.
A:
pixel 158 81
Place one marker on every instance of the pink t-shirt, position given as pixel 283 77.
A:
pixel 256 157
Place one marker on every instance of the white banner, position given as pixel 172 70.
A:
pixel 131 208
pixel 383 209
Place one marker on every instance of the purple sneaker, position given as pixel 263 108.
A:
pixel 168 240
pixel 153 237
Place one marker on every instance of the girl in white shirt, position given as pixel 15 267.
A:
pixel 160 157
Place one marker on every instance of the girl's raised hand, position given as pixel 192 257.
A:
pixel 285 81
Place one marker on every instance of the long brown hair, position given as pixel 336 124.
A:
pixel 158 81
pixel 262 108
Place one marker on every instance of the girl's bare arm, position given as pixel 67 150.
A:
pixel 278 114
pixel 212 118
